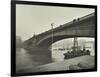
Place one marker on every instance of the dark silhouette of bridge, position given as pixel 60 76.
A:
pixel 80 27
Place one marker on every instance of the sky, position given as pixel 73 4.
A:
pixel 38 19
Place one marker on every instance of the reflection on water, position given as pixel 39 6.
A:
pixel 25 61
pixel 58 55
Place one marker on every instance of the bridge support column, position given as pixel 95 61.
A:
pixel 41 54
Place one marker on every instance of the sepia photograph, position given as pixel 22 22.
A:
pixel 53 38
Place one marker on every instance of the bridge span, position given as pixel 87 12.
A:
pixel 80 27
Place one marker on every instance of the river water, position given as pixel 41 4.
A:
pixel 26 61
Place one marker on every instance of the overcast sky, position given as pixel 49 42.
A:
pixel 33 18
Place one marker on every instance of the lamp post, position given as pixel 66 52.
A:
pixel 52 33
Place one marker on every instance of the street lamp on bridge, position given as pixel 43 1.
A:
pixel 52 24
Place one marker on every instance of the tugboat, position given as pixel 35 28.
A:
pixel 76 51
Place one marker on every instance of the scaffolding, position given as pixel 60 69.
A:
pixel 75 46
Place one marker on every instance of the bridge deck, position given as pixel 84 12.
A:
pixel 69 23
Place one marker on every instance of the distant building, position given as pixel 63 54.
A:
pixel 89 45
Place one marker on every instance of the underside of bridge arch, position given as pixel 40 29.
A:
pixel 48 42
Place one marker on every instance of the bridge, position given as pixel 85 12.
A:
pixel 80 27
